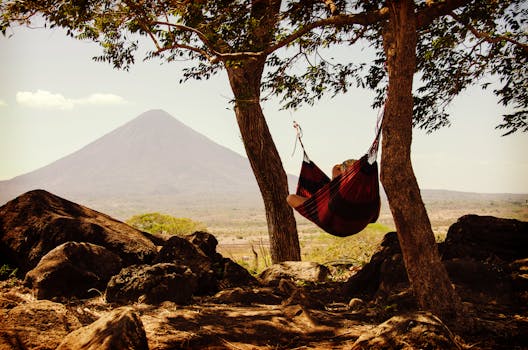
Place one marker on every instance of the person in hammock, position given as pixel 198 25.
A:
pixel 295 200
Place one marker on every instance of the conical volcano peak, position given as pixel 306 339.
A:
pixel 152 155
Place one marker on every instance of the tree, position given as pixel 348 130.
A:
pixel 458 42
pixel 237 36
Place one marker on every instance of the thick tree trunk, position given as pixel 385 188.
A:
pixel 245 80
pixel 427 274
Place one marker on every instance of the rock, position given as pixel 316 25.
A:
pixel 234 275
pixel 478 253
pixel 39 325
pixel 420 330
pixel 121 329
pixel 486 237
pixel 384 272
pixel 36 222
pixel 72 269
pixel 479 281
pixel 206 242
pixel 180 251
pixel 152 284
pixel 294 270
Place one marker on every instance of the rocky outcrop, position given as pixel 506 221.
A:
pixel 121 329
pixel 39 325
pixel 486 238
pixel 73 269
pixel 36 222
pixel 152 284
pixel 483 256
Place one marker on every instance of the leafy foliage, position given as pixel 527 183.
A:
pixel 165 224
pixel 477 41
pixel 482 40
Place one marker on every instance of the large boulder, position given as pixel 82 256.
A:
pixel 483 256
pixel 36 222
pixel 152 284
pixel 41 324
pixel 120 329
pixel 486 238
pixel 72 269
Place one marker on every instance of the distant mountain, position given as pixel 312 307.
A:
pixel 153 157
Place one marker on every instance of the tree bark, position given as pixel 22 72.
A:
pixel 245 79
pixel 427 275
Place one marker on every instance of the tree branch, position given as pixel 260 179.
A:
pixel 487 37
pixel 435 9
pixel 211 58
pixel 200 35
pixel 338 20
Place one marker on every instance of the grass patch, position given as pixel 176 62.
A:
pixel 356 250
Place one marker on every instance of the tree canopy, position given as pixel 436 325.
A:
pixel 473 42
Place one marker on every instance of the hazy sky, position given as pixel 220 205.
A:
pixel 54 99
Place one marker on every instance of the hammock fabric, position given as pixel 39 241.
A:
pixel 345 205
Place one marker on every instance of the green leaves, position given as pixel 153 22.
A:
pixel 479 40
pixel 482 41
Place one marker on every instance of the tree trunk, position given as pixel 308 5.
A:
pixel 427 275
pixel 245 79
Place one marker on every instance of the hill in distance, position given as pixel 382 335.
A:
pixel 153 158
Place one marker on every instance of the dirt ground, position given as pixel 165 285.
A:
pixel 260 318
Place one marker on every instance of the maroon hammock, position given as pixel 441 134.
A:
pixel 345 205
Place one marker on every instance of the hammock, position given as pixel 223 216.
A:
pixel 347 204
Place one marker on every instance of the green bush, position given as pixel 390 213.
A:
pixel 165 224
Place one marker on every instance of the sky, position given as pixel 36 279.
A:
pixel 54 99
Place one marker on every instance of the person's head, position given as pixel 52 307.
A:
pixel 338 169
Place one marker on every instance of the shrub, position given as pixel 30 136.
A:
pixel 165 224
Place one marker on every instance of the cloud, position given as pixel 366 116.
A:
pixel 48 100
pixel 43 99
